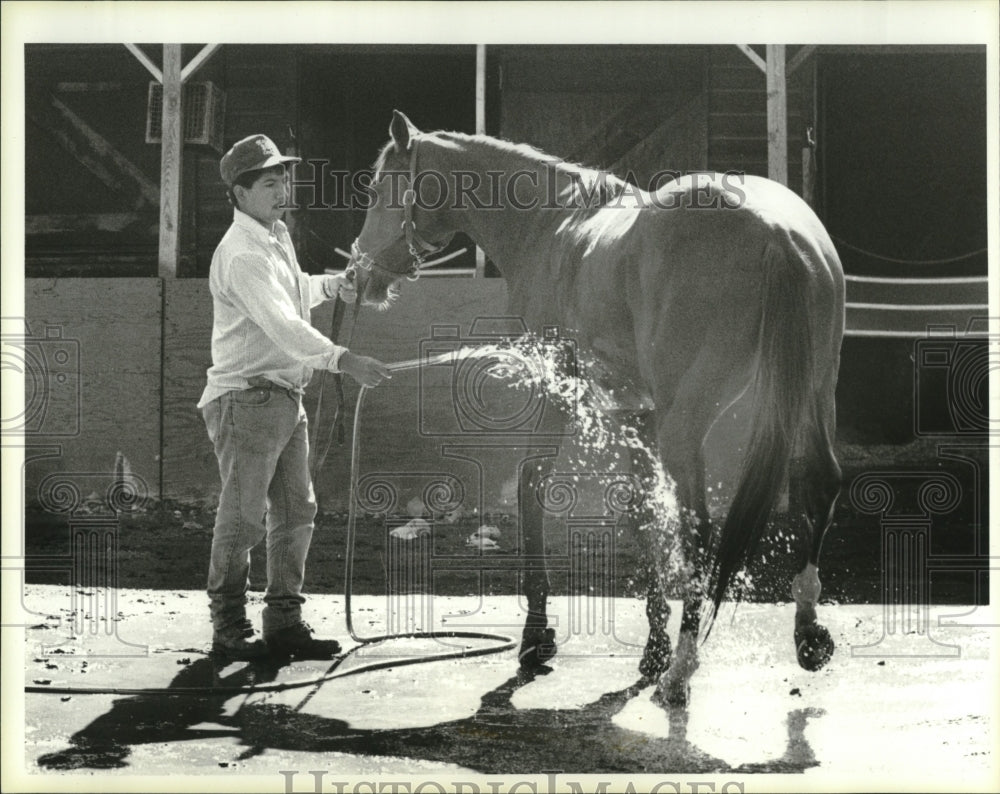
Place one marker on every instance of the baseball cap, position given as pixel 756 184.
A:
pixel 250 154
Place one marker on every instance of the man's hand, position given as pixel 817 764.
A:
pixel 340 285
pixel 365 370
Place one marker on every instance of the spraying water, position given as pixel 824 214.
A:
pixel 550 368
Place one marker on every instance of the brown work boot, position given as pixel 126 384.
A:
pixel 237 641
pixel 297 642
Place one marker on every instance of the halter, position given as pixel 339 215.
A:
pixel 418 247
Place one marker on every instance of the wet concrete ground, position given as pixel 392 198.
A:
pixel 892 711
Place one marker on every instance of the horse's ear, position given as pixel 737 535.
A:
pixel 402 131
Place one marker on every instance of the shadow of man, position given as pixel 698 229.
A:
pixel 161 717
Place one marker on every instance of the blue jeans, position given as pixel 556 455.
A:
pixel 261 441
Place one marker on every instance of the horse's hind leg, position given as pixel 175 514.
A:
pixel 537 640
pixel 642 458
pixel 681 438
pixel 713 382
pixel 821 486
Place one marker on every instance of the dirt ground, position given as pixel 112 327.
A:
pixel 166 545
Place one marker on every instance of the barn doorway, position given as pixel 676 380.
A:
pixel 346 102
pixel 903 192
pixel 902 157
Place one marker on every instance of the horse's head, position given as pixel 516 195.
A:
pixel 400 227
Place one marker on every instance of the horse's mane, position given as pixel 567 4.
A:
pixel 587 188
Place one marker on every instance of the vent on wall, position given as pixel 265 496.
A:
pixel 204 107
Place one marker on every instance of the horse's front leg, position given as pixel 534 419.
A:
pixel 537 640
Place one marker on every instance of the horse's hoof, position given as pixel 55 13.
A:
pixel 537 647
pixel 813 646
pixel 655 658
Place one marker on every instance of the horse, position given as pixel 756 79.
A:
pixel 684 296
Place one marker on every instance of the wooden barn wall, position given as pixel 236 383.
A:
pixel 737 114
pixel 117 398
pixel 95 389
pixel 686 108
pixel 627 109
pixel 189 464
pixel 633 110
pixel 113 396
pixel 86 108
pixel 91 180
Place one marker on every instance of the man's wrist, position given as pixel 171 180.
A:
pixel 337 359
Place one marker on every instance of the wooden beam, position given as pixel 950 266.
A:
pixel 759 62
pixel 198 61
pixel 74 261
pixel 679 142
pixel 101 221
pixel 79 88
pixel 144 60
pixel 777 115
pixel 480 130
pixel 628 126
pixel 902 49
pixel 193 66
pixel 171 163
pixel 93 151
pixel 799 58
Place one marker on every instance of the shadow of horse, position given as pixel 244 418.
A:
pixel 498 738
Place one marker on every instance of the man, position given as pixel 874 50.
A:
pixel 264 351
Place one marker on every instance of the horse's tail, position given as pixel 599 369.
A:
pixel 781 389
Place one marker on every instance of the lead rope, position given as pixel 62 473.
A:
pixel 337 423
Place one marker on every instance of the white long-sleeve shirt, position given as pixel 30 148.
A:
pixel 261 301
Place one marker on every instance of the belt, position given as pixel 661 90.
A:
pixel 264 383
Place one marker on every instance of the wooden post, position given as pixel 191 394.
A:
pixel 480 130
pixel 777 158
pixel 171 162
pixel 777 115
